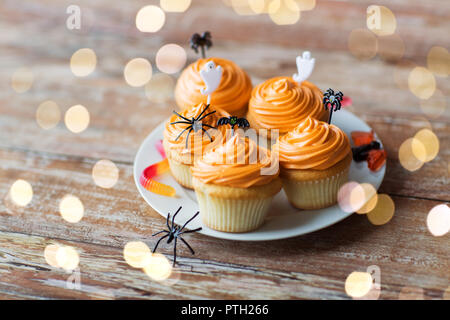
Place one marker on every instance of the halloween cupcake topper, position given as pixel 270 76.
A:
pixel 234 121
pixel 211 76
pixel 333 100
pixel 305 66
pixel 203 41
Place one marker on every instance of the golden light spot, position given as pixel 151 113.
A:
pixel 362 44
pixel 83 62
pixel 175 5
pixel 50 255
pixel 380 20
pixel 425 145
pixel 411 293
pixel 421 82
pixel 21 192
pixel 305 5
pixel 77 118
pixel 401 73
pixel 71 208
pixel 22 80
pixel 434 106
pixel 150 19
pixel 438 61
pixel 138 72
pixel 48 114
pixel 358 284
pixel 438 220
pixel 159 267
pixel 406 156
pixel 258 6
pixel 105 174
pixel 284 12
pixel 137 254
pixel 446 295
pixel 242 7
pixel 67 258
pixel 369 199
pixel 383 211
pixel 391 48
pixel 170 58
pixel 160 88
pixel 345 201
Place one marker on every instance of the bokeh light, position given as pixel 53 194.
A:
pixel 345 201
pixel 284 12
pixel 160 88
pixel 77 118
pixel 435 106
pixel 362 44
pixel 137 254
pixel 48 114
pixel 367 200
pixel 175 5
pixel 159 268
pixel 305 5
pixel 22 80
pixel 358 284
pixel 391 48
pixel 150 19
pixel 67 258
pixel 411 293
pixel 105 173
pixel 383 211
pixel 21 192
pixel 438 61
pixel 258 6
pixel 421 82
pixel 170 58
pixel 138 72
pixel 406 156
pixel 50 255
pixel 425 145
pixel 71 208
pixel 83 62
pixel 438 220
pixel 244 7
pixel 401 73
pixel 381 20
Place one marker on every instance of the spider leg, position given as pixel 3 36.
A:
pixel 175 252
pixel 207 134
pixel 337 105
pixel 155 234
pixel 206 115
pixel 203 111
pixel 157 244
pixel 181 116
pixel 173 218
pixel 180 122
pixel 223 121
pixel 184 241
pixel 330 91
pixel 192 218
pixel 187 137
pixel 179 135
pixel 167 221
pixel 190 231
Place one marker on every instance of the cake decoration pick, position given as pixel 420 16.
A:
pixel 211 76
pixel 194 124
pixel 234 121
pixel 203 41
pixel 305 66
pixel 333 100
pixel 174 233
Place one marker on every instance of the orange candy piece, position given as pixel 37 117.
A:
pixel 376 159
pixel 361 137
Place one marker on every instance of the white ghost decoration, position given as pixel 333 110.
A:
pixel 212 76
pixel 305 66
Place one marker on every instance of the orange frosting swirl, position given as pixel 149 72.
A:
pixel 232 95
pixel 237 163
pixel 314 145
pixel 198 142
pixel 281 103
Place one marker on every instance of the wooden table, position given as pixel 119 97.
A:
pixel 57 162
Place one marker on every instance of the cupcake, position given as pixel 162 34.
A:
pixel 232 95
pixel 181 154
pixel 315 159
pixel 235 183
pixel 281 103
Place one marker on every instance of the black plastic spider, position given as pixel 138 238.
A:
pixel 174 233
pixel 203 41
pixel 194 124
pixel 332 99
pixel 234 121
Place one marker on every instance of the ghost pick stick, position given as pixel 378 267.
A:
pixel 211 76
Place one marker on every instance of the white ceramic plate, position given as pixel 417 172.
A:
pixel 284 221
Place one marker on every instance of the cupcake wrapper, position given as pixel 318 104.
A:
pixel 181 173
pixel 315 194
pixel 232 215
